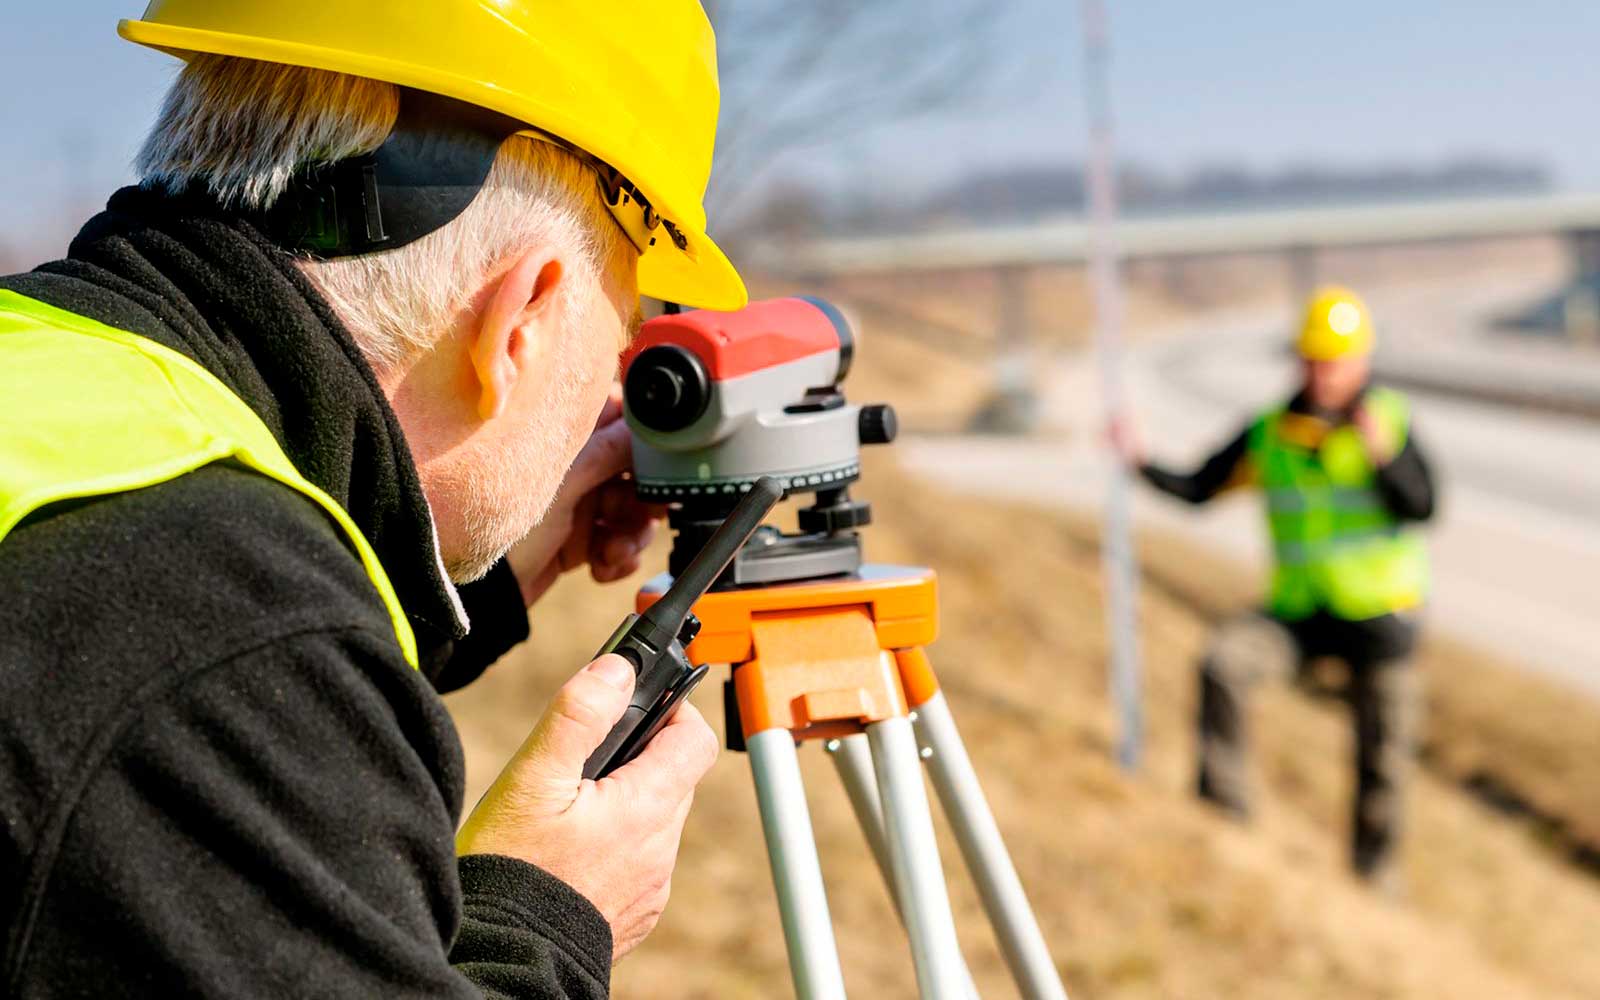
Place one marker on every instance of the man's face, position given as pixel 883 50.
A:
pixel 499 487
pixel 1334 385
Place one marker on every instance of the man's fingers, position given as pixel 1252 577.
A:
pixel 607 453
pixel 613 548
pixel 611 574
pixel 578 719
pixel 615 554
pixel 619 503
pixel 612 410
pixel 620 507
pixel 673 763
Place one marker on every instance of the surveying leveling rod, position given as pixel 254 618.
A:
pixel 653 642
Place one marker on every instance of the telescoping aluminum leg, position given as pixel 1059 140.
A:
pixel 796 872
pixel 914 856
pixel 956 783
pixel 852 757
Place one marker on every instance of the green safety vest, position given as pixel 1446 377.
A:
pixel 88 410
pixel 1337 547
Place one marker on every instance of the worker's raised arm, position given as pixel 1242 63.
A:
pixel 1227 467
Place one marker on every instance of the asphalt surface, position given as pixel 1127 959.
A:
pixel 1516 547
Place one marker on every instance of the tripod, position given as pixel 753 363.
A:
pixel 840 660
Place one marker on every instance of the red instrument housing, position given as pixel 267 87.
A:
pixel 730 344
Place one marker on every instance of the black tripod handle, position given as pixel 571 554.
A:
pixel 713 558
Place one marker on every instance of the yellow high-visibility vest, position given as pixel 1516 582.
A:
pixel 88 410
pixel 1336 546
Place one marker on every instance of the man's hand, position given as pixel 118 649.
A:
pixel 1122 432
pixel 596 518
pixel 614 840
pixel 1380 441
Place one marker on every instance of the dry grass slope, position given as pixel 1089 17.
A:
pixel 1141 891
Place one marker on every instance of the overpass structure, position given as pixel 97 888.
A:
pixel 1065 239
pixel 1296 234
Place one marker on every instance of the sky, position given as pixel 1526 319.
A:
pixel 1260 84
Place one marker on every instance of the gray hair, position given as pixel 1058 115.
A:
pixel 242 128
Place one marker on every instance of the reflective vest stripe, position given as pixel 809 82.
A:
pixel 1297 500
pixel 91 410
pixel 1297 552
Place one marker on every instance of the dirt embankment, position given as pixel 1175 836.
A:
pixel 1141 891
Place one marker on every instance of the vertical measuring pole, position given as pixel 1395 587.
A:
pixel 1105 280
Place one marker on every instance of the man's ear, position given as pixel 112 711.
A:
pixel 510 333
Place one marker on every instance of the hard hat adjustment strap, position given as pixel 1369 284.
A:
pixel 430 168
pixel 334 210
pixel 425 174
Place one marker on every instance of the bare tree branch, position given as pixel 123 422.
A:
pixel 801 74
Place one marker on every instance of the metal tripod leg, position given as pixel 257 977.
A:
pixel 956 783
pixel 852 757
pixel 914 856
pixel 796 872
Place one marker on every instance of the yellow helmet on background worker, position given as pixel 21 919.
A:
pixel 636 89
pixel 1337 325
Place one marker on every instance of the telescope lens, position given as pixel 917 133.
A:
pixel 662 389
pixel 667 388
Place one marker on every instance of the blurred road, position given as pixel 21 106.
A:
pixel 1517 546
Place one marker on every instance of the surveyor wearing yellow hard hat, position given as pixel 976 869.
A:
pixel 635 95
pixel 1336 325
pixel 1344 481
pixel 295 435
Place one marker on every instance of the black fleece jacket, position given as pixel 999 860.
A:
pixel 218 775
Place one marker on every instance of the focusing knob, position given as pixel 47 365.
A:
pixel 877 424
pixel 667 388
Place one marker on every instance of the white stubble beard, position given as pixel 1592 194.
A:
pixel 504 496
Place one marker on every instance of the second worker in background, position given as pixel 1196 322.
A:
pixel 1344 481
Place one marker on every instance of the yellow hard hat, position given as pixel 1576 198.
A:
pixel 1337 325
pixel 636 89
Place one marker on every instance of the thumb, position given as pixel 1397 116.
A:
pixel 578 719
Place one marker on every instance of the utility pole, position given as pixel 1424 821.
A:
pixel 1121 575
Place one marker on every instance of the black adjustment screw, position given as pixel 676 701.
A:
pixel 690 629
pixel 877 424
pixel 834 512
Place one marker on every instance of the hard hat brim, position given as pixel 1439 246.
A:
pixel 701 275
pixel 1332 352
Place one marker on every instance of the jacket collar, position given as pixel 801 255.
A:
pixel 187 274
